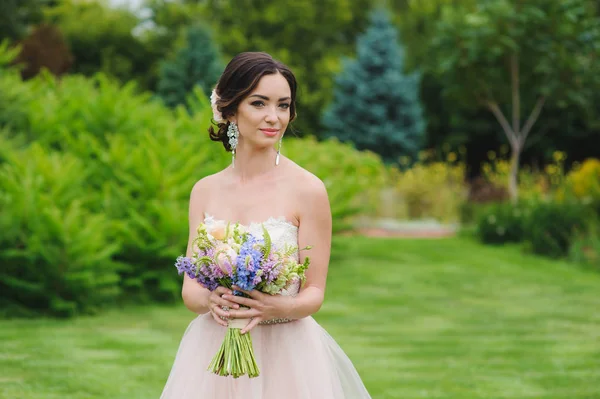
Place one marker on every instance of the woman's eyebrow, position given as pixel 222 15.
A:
pixel 267 98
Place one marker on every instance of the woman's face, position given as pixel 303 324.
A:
pixel 264 114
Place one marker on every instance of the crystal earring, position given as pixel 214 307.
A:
pixel 233 133
pixel 278 152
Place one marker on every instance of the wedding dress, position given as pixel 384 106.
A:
pixel 296 359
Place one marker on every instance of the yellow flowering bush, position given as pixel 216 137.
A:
pixel 533 183
pixel 584 181
pixel 431 190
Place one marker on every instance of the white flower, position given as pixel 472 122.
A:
pixel 226 257
pixel 217 115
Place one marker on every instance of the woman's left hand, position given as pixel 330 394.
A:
pixel 262 307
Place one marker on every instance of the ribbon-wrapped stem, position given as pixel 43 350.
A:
pixel 236 354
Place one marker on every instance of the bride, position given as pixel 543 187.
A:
pixel 253 103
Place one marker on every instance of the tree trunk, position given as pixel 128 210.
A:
pixel 513 181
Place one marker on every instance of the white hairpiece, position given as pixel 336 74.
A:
pixel 217 115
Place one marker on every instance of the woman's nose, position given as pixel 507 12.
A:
pixel 271 115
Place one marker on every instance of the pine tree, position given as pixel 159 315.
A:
pixel 376 105
pixel 196 64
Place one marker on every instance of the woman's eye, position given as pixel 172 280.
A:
pixel 285 106
pixel 258 103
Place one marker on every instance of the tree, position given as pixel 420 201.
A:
pixel 195 64
pixel 103 39
pixel 45 47
pixel 518 55
pixel 17 15
pixel 309 36
pixel 375 105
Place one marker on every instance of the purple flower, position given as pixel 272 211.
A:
pixel 184 265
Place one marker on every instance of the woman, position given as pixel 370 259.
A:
pixel 253 103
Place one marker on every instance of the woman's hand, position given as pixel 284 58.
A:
pixel 262 307
pixel 216 300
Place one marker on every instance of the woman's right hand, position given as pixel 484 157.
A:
pixel 216 304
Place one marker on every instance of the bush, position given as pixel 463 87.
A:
pixel 534 184
pixel 548 228
pixel 502 222
pixel 552 227
pixel 583 182
pixel 432 190
pixel 56 254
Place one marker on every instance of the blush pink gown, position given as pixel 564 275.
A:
pixel 297 360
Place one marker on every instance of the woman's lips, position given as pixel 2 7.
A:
pixel 270 132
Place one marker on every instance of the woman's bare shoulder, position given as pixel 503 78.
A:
pixel 205 184
pixel 304 181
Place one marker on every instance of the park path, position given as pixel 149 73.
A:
pixel 406 229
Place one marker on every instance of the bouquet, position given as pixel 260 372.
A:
pixel 227 255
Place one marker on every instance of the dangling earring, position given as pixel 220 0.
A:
pixel 278 152
pixel 233 133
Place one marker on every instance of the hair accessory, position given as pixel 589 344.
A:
pixel 217 115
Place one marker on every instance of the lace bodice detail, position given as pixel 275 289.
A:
pixel 282 233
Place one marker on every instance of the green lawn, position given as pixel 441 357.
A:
pixel 419 318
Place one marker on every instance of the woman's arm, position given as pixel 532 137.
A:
pixel 195 297
pixel 315 230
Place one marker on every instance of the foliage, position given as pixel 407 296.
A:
pixel 547 50
pixel 375 105
pixel 196 64
pixel 583 181
pixel 56 253
pixel 503 222
pixel 17 15
pixel 45 48
pixel 308 36
pixel 552 227
pixel 547 228
pixel 118 167
pixel 102 39
pixel 13 96
pixel 534 184
pixel 432 190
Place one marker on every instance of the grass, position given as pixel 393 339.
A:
pixel 419 318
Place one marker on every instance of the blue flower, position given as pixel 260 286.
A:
pixel 246 274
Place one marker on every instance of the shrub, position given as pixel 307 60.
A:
pixel 502 222
pixel 56 254
pixel 551 226
pixel 533 184
pixel 434 190
pixel 583 182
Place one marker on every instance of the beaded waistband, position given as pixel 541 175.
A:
pixel 275 321
pixel 264 322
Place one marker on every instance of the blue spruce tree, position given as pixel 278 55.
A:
pixel 375 105
pixel 196 64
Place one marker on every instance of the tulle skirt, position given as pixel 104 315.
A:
pixel 297 360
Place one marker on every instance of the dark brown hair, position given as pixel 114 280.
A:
pixel 239 79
